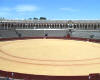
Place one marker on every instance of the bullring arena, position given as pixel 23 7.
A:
pixel 55 57
pixel 49 54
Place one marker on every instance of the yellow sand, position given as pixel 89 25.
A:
pixel 50 57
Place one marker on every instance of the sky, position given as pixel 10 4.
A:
pixel 51 9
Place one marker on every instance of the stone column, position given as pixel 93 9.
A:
pixel 38 25
pixel 27 25
pixel 97 26
pixel 79 26
pixel 22 25
pixel 10 25
pixel 35 26
pixel 58 25
pixel 6 25
pixel 75 26
pixel 65 26
pixel 72 26
pixel 87 26
pixel 62 25
pixel 42 25
pixel 54 25
pixel 83 26
pixel 51 25
pixel 31 25
pixel 93 26
pixel 0 25
pixel 18 25
pixel 46 25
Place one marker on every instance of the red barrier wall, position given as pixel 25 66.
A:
pixel 70 38
pixel 40 77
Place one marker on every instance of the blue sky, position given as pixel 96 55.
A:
pixel 52 9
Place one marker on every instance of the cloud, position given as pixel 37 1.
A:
pixel 19 8
pixel 25 8
pixel 69 9
pixel 5 9
pixel 17 11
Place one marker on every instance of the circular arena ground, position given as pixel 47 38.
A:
pixel 50 57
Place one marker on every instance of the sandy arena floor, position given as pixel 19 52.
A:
pixel 50 57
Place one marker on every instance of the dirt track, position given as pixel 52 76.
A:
pixel 50 57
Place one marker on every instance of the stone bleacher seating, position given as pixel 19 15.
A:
pixel 8 34
pixel 86 34
pixel 41 33
pixel 31 33
pixel 50 33
pixel 56 33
